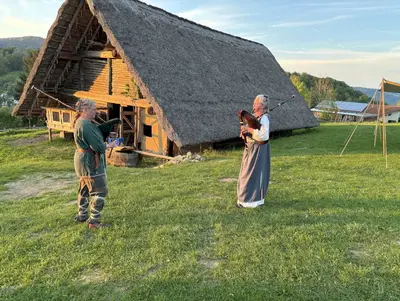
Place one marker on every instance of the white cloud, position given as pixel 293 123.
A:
pixel 310 23
pixel 366 8
pixel 254 36
pixel 52 1
pixel 216 17
pixel 356 68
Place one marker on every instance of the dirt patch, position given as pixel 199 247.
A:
pixel 93 276
pixel 357 254
pixel 153 270
pixel 29 141
pixel 38 184
pixel 228 180
pixel 209 263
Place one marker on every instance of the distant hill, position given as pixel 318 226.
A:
pixel 390 98
pixel 22 42
pixel 315 89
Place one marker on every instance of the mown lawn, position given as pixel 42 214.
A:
pixel 330 229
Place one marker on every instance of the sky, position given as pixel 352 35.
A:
pixel 357 42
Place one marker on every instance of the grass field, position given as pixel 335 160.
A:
pixel 330 228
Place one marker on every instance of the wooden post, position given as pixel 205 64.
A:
pixel 384 147
pixel 109 62
pixel 121 117
pixel 383 116
pixel 153 155
pixel 50 135
pixel 137 134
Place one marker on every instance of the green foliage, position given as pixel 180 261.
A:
pixel 325 233
pixel 330 111
pixel 322 90
pixel 29 60
pixel 15 65
pixel 11 60
pixel 315 89
pixel 301 87
pixel 132 90
pixel 7 120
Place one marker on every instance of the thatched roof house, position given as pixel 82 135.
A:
pixel 194 77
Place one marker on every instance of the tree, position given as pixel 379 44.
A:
pixel 322 90
pixel 6 100
pixel 29 60
pixel 301 87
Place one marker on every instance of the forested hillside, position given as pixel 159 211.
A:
pixel 22 42
pixel 315 89
pixel 15 65
pixel 390 98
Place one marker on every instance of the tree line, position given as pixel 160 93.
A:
pixel 15 65
pixel 316 89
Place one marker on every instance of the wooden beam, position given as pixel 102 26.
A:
pixel 153 155
pixel 95 43
pixel 61 45
pixel 128 122
pixel 67 55
pixel 110 54
pixel 84 33
pixel 119 99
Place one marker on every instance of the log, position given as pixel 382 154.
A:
pixel 154 155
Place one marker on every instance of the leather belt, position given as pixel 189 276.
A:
pixel 96 156
pixel 261 142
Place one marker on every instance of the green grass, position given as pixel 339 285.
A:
pixel 330 229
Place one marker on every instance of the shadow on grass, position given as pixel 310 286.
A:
pixel 212 286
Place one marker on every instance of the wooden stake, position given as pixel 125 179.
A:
pixel 153 155
pixel 359 121
pixel 384 146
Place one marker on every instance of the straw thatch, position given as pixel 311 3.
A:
pixel 196 78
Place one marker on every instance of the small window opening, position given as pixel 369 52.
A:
pixel 56 116
pixel 147 130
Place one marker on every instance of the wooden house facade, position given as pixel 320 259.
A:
pixel 173 83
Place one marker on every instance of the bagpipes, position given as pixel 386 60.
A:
pixel 252 121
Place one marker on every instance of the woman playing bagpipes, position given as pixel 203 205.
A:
pixel 255 169
pixel 90 163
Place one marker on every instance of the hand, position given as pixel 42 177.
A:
pixel 242 131
pixel 112 144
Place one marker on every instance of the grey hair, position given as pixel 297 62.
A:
pixel 83 104
pixel 264 99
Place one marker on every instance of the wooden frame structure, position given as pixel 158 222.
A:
pixel 129 56
pixel 86 65
pixel 385 86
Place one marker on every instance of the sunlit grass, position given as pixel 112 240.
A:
pixel 330 228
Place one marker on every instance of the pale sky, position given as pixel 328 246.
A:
pixel 357 42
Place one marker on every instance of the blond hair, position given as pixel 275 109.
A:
pixel 264 100
pixel 82 105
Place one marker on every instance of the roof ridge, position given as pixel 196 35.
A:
pixel 194 23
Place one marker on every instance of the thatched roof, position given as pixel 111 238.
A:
pixel 196 78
